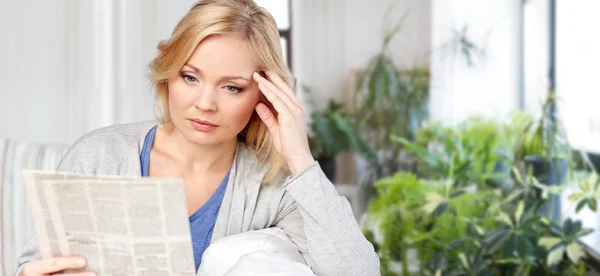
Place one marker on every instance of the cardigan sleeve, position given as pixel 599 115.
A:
pixel 322 225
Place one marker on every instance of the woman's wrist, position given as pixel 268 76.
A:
pixel 300 164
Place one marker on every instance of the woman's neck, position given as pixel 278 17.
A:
pixel 193 157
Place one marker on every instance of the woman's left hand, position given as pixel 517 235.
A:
pixel 288 128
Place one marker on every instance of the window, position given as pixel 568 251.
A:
pixel 577 71
pixel 575 61
pixel 281 11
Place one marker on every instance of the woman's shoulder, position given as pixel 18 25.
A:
pixel 114 136
pixel 116 143
pixel 135 130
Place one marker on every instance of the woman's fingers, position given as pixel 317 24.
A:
pixel 274 99
pixel 275 94
pixel 52 265
pixel 278 81
pixel 267 117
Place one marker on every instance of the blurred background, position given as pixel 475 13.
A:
pixel 464 133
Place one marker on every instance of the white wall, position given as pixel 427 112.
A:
pixel 332 37
pixel 73 66
pixel 491 88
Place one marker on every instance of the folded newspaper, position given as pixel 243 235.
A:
pixel 121 225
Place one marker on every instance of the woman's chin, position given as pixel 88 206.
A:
pixel 208 139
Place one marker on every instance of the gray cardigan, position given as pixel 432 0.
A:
pixel 307 206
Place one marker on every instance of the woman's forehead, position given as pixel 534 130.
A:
pixel 223 54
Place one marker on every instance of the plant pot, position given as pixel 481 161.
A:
pixel 328 167
pixel 550 173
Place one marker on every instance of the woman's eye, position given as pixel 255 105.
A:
pixel 233 89
pixel 189 78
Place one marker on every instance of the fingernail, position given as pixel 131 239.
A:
pixel 92 274
pixel 80 262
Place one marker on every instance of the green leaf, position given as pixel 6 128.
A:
pixel 546 221
pixel 440 209
pixel 430 207
pixel 575 252
pixel 576 227
pixel 593 204
pixel 584 232
pixel 580 205
pixel 593 178
pixel 456 243
pixel 457 194
pixel 503 217
pixel 421 152
pixel 556 255
pixel 449 183
pixel 518 175
pixel 464 261
pixel 576 196
pixel 548 242
pixel 519 212
pixel 434 197
pixel 495 239
pixel 514 195
pixel 433 200
pixel 584 185
pixel 567 225
pixel 479 230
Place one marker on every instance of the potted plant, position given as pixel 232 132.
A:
pixel 333 132
pixel 543 149
pixel 391 101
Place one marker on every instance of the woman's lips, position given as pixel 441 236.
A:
pixel 203 126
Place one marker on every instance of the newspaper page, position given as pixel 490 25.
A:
pixel 122 226
pixel 44 228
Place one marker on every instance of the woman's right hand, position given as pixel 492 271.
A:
pixel 53 265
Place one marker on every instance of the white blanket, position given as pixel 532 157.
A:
pixel 266 252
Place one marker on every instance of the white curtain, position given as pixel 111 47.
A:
pixel 67 67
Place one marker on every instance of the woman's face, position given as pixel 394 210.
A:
pixel 213 97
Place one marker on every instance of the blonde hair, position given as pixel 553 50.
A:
pixel 257 28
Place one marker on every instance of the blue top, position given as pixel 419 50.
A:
pixel 202 222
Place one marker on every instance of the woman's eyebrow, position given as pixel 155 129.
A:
pixel 193 68
pixel 199 72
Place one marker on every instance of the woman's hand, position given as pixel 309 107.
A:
pixel 50 266
pixel 288 128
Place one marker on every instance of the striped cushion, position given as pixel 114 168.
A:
pixel 15 221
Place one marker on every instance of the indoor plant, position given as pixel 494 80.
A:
pixel 544 150
pixel 476 229
pixel 458 231
pixel 391 101
pixel 333 132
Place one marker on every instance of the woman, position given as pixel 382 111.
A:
pixel 234 131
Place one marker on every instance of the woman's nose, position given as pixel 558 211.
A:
pixel 207 99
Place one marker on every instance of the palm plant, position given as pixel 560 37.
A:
pixel 391 102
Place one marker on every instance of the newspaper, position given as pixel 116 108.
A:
pixel 121 225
